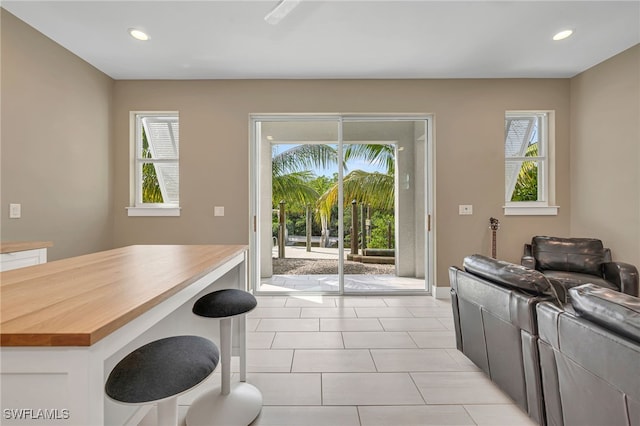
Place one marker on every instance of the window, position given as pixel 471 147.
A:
pixel 155 168
pixel 528 151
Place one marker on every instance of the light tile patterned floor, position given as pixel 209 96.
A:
pixel 364 360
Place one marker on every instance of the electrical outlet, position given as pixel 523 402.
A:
pixel 218 211
pixel 15 211
pixel 465 209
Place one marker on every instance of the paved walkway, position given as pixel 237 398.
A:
pixel 299 252
pixel 329 282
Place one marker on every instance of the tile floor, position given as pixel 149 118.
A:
pixel 342 361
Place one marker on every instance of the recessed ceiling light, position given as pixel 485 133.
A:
pixel 138 34
pixel 562 35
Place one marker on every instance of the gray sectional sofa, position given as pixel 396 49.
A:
pixel 590 358
pixel 494 310
pixel 562 364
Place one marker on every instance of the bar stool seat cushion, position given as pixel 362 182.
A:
pixel 162 369
pixel 224 303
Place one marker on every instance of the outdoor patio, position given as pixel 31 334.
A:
pixel 317 271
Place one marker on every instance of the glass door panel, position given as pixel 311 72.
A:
pixel 299 240
pixel 384 205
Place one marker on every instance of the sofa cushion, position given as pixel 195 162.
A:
pixel 507 274
pixel 574 279
pixel 584 255
pixel 610 309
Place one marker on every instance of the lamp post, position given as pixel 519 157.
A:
pixel 281 230
pixel 308 227
pixel 354 227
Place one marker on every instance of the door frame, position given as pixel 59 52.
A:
pixel 254 193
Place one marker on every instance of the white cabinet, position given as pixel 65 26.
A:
pixel 20 255
pixel 20 259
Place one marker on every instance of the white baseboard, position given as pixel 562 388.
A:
pixel 441 292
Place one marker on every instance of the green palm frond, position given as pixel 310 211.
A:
pixel 151 192
pixel 304 157
pixel 374 189
pixel 532 150
pixel 293 181
pixel 291 174
pixel 294 188
pixel 526 188
pixel 380 155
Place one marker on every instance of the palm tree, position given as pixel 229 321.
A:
pixel 293 182
pixel 292 179
pixel 526 188
pixel 372 188
pixel 151 192
pixel 381 155
pixel 291 175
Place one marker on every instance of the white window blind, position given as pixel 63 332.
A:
pixel 163 139
pixel 518 132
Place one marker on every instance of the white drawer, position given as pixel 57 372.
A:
pixel 21 259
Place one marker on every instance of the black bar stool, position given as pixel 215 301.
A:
pixel 230 405
pixel 162 370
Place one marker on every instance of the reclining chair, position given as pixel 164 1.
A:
pixel 571 262
pixel 494 305
pixel 590 358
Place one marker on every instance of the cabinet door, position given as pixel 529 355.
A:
pixel 21 259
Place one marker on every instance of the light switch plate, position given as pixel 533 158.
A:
pixel 15 211
pixel 218 211
pixel 465 209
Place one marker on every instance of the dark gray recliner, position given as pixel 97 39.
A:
pixel 495 324
pixel 572 262
pixel 590 358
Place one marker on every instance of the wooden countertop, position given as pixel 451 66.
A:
pixel 13 246
pixel 80 300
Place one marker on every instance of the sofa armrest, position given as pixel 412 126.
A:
pixel 453 281
pixel 623 275
pixel 527 258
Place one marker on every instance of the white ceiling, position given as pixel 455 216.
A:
pixel 337 39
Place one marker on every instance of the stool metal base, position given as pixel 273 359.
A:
pixel 239 408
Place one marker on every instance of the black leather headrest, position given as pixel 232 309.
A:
pixel 608 308
pixel 584 255
pixel 507 274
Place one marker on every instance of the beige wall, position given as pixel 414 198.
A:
pixel 605 154
pixel 55 144
pixel 469 135
pixel 65 150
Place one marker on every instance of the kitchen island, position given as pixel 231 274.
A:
pixel 65 324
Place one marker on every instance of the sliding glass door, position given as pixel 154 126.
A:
pixel 384 192
pixel 341 204
pixel 297 243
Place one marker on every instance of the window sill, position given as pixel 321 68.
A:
pixel 153 211
pixel 531 210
